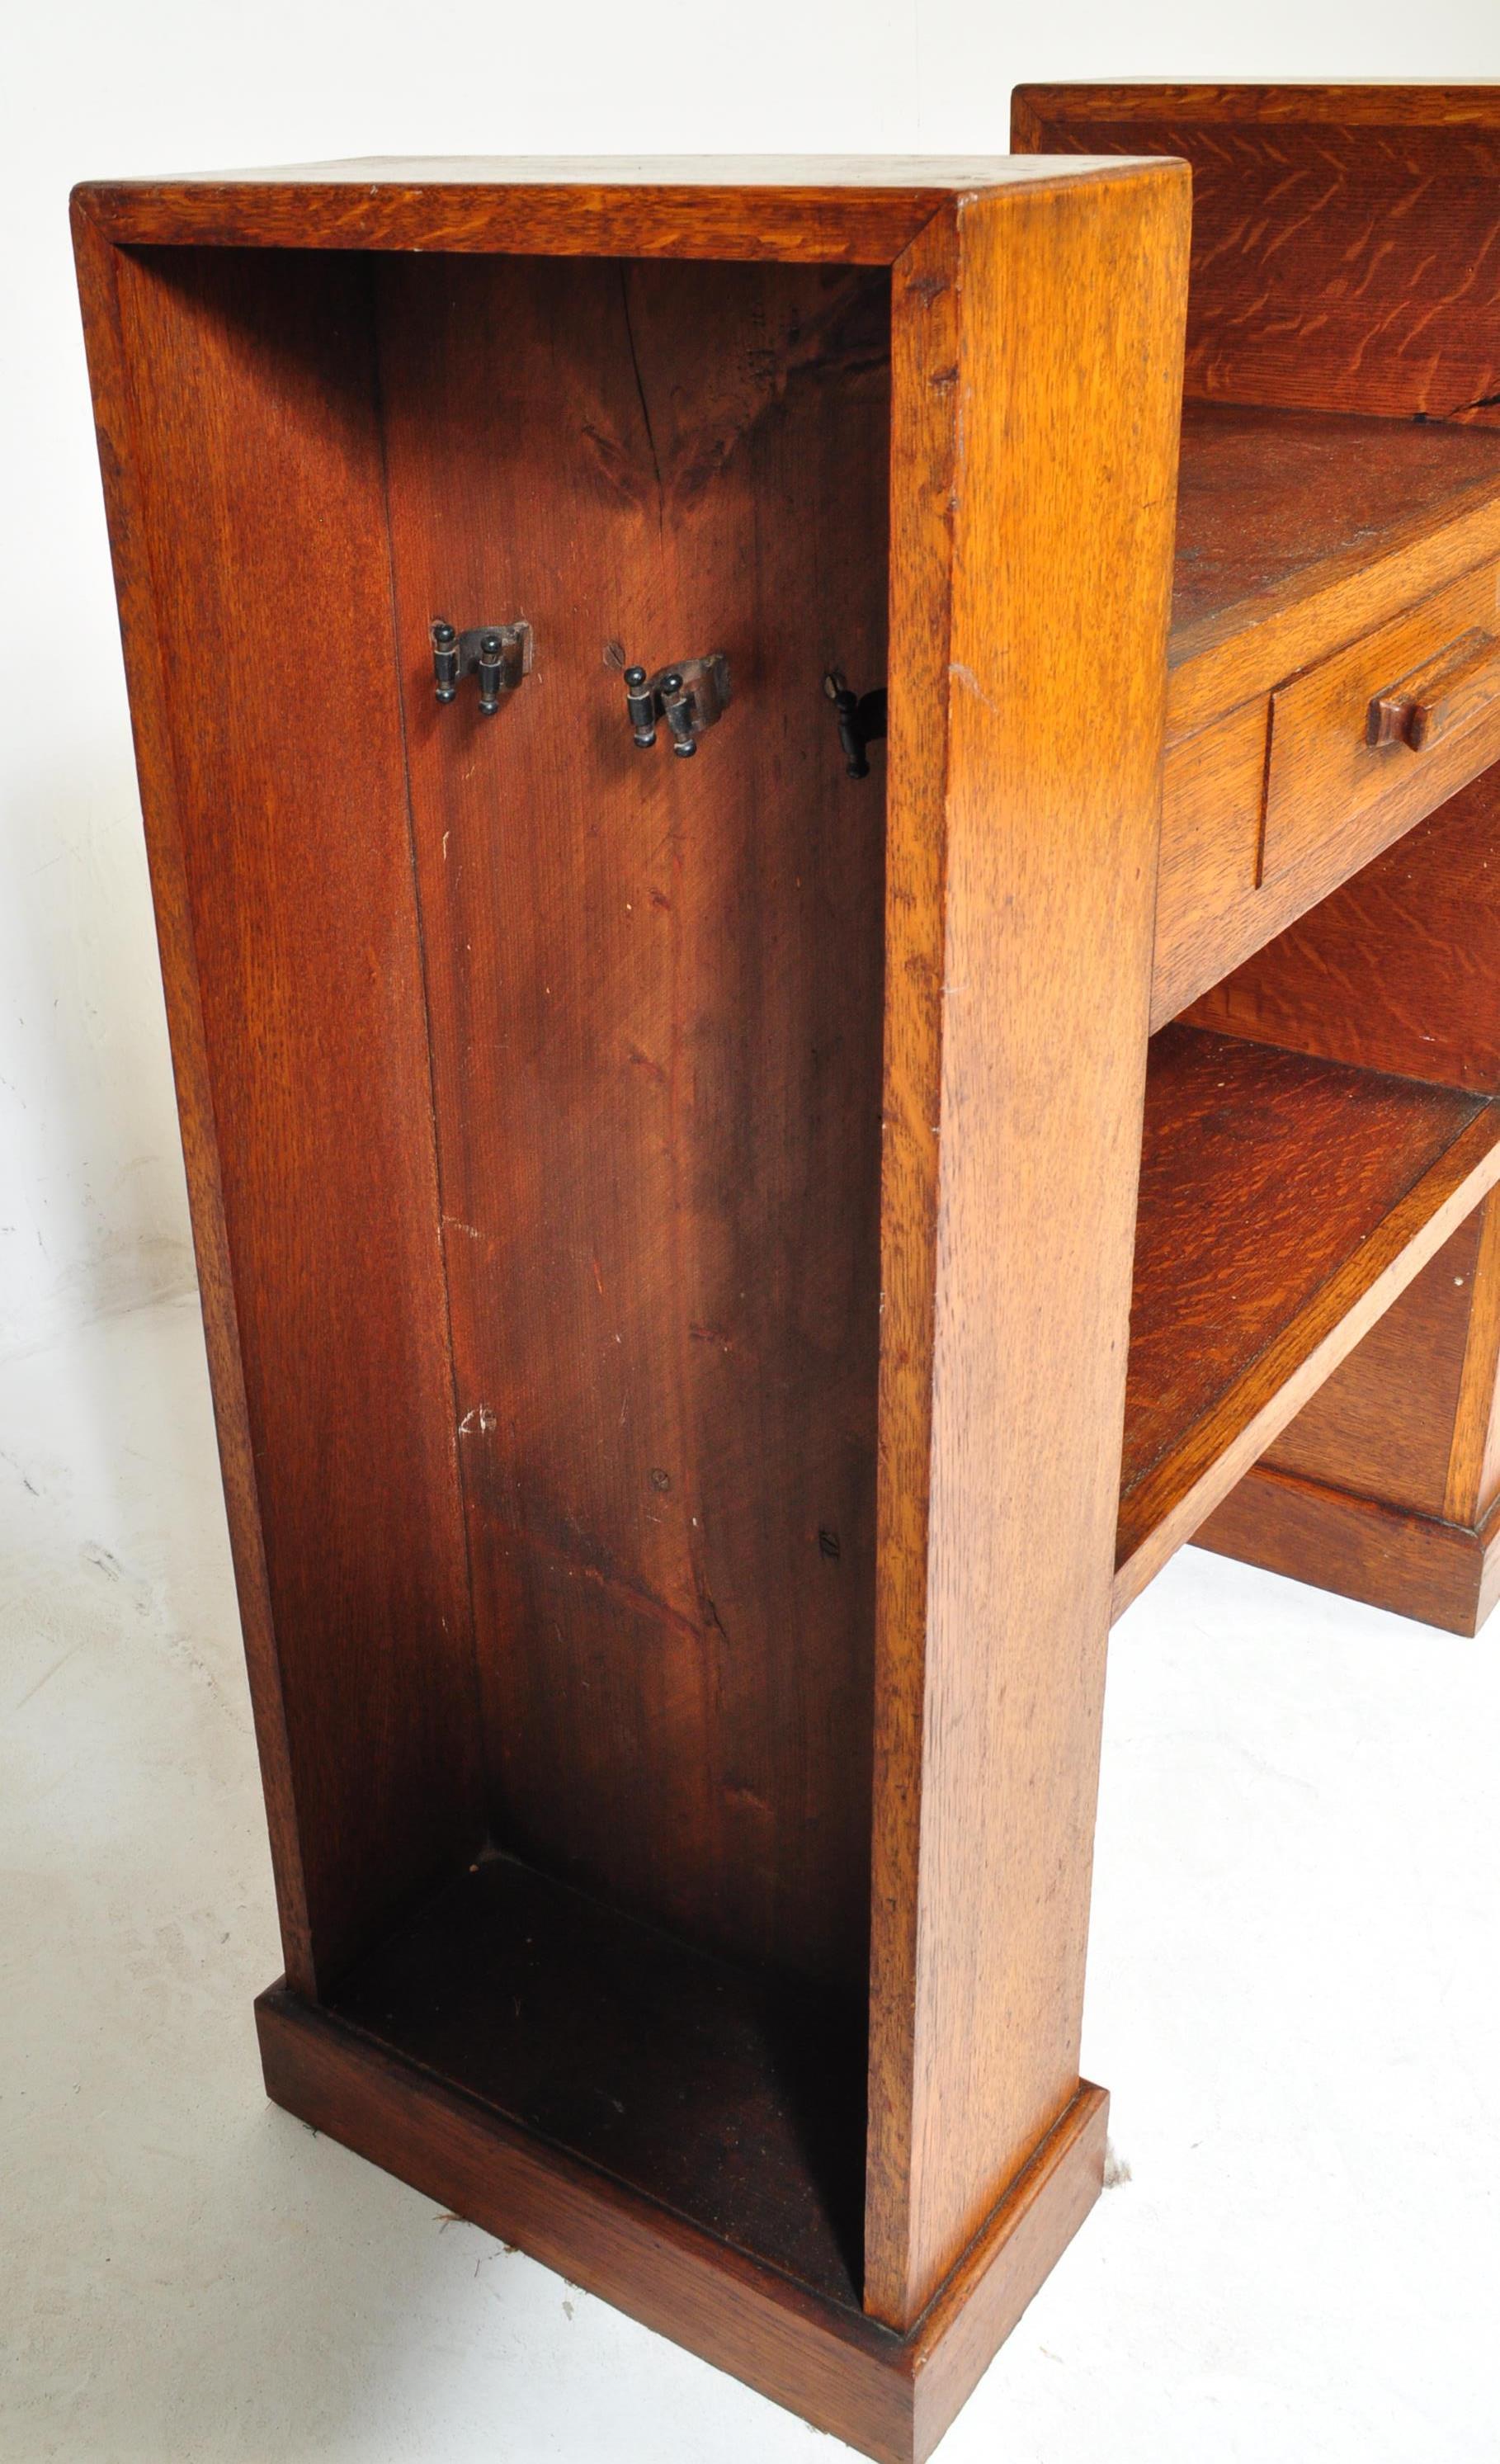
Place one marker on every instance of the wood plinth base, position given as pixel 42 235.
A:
pixel 1442 1573
pixel 893 2396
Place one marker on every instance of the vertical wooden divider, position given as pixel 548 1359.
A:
pixel 1037 370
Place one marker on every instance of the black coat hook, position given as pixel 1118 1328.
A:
pixel 691 697
pixel 500 655
pixel 861 719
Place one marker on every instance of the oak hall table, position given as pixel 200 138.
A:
pixel 822 840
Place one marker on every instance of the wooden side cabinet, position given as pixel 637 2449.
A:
pixel 703 729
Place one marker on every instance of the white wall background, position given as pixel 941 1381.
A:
pixel 92 1210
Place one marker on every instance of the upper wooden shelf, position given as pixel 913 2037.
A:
pixel 1297 530
pixel 1283 1204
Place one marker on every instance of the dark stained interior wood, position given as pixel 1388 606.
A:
pixel 256 433
pixel 1346 240
pixel 1278 1194
pixel 655 994
pixel 890 2396
pixel 733 2099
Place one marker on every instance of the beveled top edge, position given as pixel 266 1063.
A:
pixel 862 209
pixel 938 173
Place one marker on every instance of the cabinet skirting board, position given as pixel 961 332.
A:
pixel 892 2396
pixel 1444 1574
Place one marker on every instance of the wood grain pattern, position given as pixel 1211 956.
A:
pixel 1346 239
pixel 1297 531
pixel 1284 1204
pixel 655 998
pixel 1386 1486
pixel 891 2396
pixel 1203 954
pixel 1032 999
pixel 1447 692
pixel 1298 535
pixel 1441 1573
pixel 925 333
pixel 253 428
pixel 858 209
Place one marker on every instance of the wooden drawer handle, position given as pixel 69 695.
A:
pixel 1438 696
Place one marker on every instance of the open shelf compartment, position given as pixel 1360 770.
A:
pixel 1284 1201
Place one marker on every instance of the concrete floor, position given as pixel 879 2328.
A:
pixel 1292 1996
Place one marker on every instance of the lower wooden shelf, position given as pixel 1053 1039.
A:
pixel 1284 1201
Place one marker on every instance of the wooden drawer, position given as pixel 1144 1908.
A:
pixel 1361 746
pixel 1367 741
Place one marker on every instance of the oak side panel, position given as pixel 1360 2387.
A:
pixel 1051 437
pixel 924 367
pixel 257 460
pixel 1346 240
pixel 147 677
pixel 655 990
